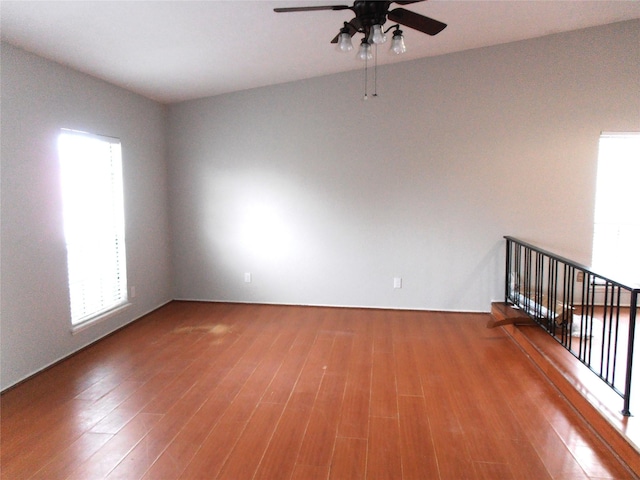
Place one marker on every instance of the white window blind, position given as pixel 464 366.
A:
pixel 616 233
pixel 93 211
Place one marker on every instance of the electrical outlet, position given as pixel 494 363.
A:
pixel 580 277
pixel 397 282
pixel 247 277
pixel 133 292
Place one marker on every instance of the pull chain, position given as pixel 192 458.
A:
pixel 375 70
pixel 366 97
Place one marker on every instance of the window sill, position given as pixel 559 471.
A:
pixel 100 318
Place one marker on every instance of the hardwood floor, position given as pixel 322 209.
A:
pixel 229 391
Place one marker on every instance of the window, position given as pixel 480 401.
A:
pixel 616 233
pixel 93 211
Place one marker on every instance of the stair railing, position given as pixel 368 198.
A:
pixel 592 316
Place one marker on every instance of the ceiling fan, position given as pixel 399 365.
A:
pixel 370 18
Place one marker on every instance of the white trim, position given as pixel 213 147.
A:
pixel 80 133
pixel 618 134
pixel 331 305
pixel 99 318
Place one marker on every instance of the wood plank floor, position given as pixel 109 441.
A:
pixel 227 391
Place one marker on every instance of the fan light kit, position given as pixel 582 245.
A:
pixel 377 36
pixel 369 20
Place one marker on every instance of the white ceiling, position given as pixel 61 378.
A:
pixel 171 51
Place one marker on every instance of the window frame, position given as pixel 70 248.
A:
pixel 611 218
pixel 105 293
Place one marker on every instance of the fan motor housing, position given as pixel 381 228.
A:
pixel 371 13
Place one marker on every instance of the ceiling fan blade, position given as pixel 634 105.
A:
pixel 310 9
pixel 416 21
pixel 353 29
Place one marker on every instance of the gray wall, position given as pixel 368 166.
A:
pixel 38 98
pixel 325 198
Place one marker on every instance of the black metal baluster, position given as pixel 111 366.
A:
pixel 633 310
pixel 544 285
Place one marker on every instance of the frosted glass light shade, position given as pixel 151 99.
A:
pixel 377 35
pixel 397 43
pixel 364 52
pixel 344 43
